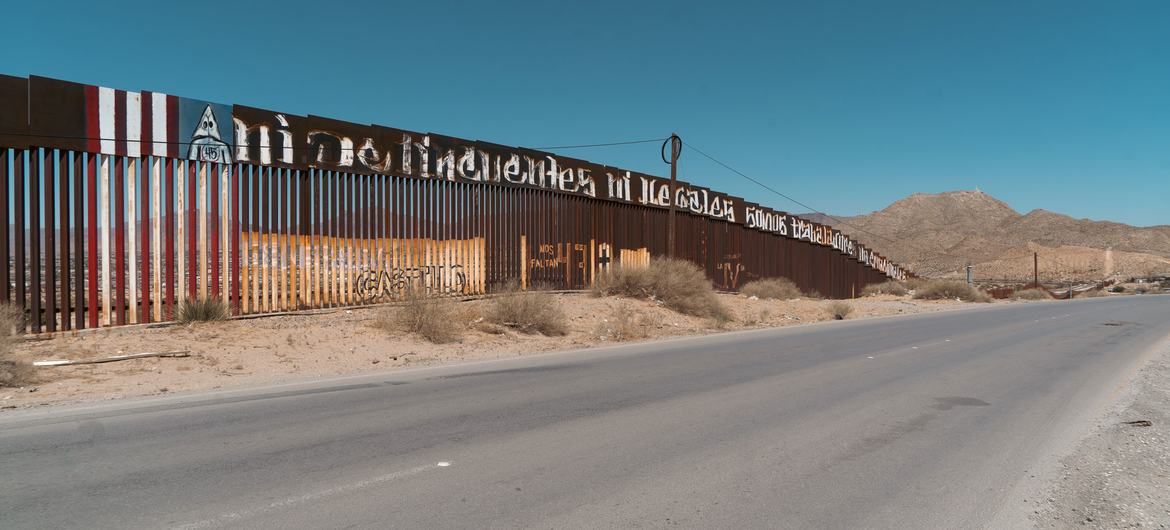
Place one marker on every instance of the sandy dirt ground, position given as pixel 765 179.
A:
pixel 1119 477
pixel 296 347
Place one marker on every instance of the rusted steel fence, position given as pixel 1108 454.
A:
pixel 120 205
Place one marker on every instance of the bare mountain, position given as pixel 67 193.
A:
pixel 937 235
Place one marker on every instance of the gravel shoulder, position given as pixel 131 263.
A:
pixel 1119 476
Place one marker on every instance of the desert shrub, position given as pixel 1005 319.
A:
pixel 491 329
pixel 838 310
pixel 815 295
pixel 1031 294
pixel 13 371
pixel 914 284
pixel 950 290
pixel 533 311
pixel 201 310
pixel 434 319
pixel 772 289
pixel 1092 293
pixel 624 324
pixel 1117 289
pixel 888 287
pixel 677 284
pixel 1141 290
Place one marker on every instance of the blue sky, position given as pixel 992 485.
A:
pixel 846 106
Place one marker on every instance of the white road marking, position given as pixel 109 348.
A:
pixel 444 464
pixel 237 517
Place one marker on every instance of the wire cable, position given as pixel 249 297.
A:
pixel 769 188
pixel 608 144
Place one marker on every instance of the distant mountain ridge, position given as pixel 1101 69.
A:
pixel 938 234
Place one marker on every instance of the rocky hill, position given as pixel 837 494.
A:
pixel 937 235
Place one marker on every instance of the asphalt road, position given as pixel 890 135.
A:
pixel 932 421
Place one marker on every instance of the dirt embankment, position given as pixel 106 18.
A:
pixel 283 348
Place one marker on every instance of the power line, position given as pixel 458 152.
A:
pixel 769 188
pixel 601 145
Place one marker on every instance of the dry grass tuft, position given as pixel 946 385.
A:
pixel 675 283
pixel 950 290
pixel 895 288
pixel 1093 293
pixel 434 319
pixel 1031 294
pixel 914 284
pixel 624 324
pixel 838 310
pixel 528 312
pixel 13 372
pixel 772 289
pixel 202 310
pixel 491 329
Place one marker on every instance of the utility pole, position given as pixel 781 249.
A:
pixel 969 278
pixel 1036 269
pixel 675 151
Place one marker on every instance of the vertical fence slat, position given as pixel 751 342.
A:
pixel 155 281
pixel 49 229
pixel 104 214
pixel 192 226
pixel 64 224
pixel 201 209
pixel 6 215
pixel 34 217
pixel 226 249
pixel 131 215
pixel 235 234
pixel 120 239
pixel 19 180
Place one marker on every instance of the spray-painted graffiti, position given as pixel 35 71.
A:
pixel 731 268
pixel 556 256
pixel 206 144
pixel 381 285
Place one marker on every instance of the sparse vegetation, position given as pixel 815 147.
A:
pixel 895 288
pixel 1092 293
pixel 950 289
pixel 675 283
pixel 13 371
pixel 914 284
pixel 532 311
pixel 838 310
pixel 760 318
pixel 624 324
pixel 201 310
pixel 433 319
pixel 1031 294
pixel 1117 289
pixel 772 289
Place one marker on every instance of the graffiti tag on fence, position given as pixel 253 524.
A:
pixel 376 285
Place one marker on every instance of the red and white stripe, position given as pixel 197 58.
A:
pixel 160 124
pixel 132 124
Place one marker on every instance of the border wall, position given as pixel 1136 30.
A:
pixel 122 204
